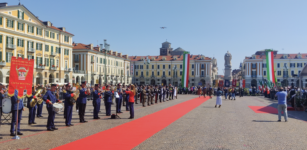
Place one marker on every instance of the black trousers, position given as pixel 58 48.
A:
pixel 171 95
pixel 82 112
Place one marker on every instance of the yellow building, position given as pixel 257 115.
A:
pixel 22 34
pixel 287 66
pixel 167 68
pixel 91 62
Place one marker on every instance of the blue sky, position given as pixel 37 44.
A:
pixel 208 27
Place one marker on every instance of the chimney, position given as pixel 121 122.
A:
pixel 3 4
pixel 111 52
pixel 120 54
pixel 62 28
pixel 115 53
pixel 91 46
pixel 126 56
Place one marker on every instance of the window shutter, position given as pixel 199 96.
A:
pixel 22 44
pixel 36 46
pixel 12 41
pixel 0 55
pixel 41 60
pixel 18 26
pixel 12 23
pixel 17 42
pixel 23 15
pixel 6 57
pixel 22 26
pixel 0 38
pixel 18 13
pixel 36 61
pixel 0 20
pixel 59 50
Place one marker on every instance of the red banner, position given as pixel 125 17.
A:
pixel 221 83
pixel 234 83
pixel 21 76
pixel 243 82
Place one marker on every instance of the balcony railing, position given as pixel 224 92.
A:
pixel 52 54
pixel 92 61
pixel 202 67
pixel 254 76
pixel 153 76
pixel 10 46
pixel 2 63
pixel 254 66
pixel 53 68
pixel 40 67
pixel 67 69
pixel 76 60
pixel 285 76
pixel 202 75
pixel 164 76
pixel 31 50
pixel 79 71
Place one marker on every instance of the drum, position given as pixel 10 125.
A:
pixel 57 107
pixel 6 105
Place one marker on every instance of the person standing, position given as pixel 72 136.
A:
pixel 40 108
pixel 171 92
pixel 67 95
pixel 16 102
pixel 144 95
pixel 50 99
pixel 160 92
pixel 1 98
pixel 119 98
pixel 124 94
pixel 140 92
pixel 219 94
pixel 32 110
pixel 164 92
pixel 149 96
pixel 282 104
pixel 82 101
pixel 108 100
pixel 97 102
pixel 225 92
pixel 131 92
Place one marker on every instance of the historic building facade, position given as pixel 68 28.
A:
pixel 287 66
pixel 89 64
pixel 22 34
pixel 167 68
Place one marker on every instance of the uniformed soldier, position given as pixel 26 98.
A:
pixel 163 94
pixel 171 92
pixel 140 93
pixel 16 101
pixel 50 99
pixel 108 100
pixel 156 92
pixel 124 95
pixel 32 110
pixel 40 108
pixel 1 98
pixel 152 94
pixel 119 99
pixel 144 95
pixel 149 96
pixel 82 101
pixel 167 91
pixel 67 95
pixel 160 92
pixel 96 101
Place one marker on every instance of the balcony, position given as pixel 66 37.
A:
pixel 2 63
pixel 153 76
pixel 31 50
pixel 79 71
pixel 285 76
pixel 202 75
pixel 254 76
pixel 76 60
pixel 53 68
pixel 201 67
pixel 254 66
pixel 163 76
pixel 67 69
pixel 52 54
pixel 40 67
pixel 10 46
pixel 92 61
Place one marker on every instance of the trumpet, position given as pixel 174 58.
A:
pixel 38 99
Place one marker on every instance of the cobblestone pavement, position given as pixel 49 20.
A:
pixel 234 126
pixel 36 136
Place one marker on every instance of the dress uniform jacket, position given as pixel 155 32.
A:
pixel 108 100
pixel 68 106
pixel 32 110
pixel 82 96
pixel 15 112
pixel 96 102
pixel 50 97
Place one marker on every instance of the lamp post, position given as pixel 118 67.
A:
pixel 105 55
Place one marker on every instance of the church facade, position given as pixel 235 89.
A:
pixel 166 68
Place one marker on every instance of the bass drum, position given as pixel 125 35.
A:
pixel 6 105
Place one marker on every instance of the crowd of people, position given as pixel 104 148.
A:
pixel 78 95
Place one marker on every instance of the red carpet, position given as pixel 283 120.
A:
pixel 264 109
pixel 131 134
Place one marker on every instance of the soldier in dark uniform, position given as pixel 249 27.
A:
pixel 149 96
pixel 16 101
pixel 171 92
pixel 67 95
pixel 127 101
pixel 140 91
pixel 163 94
pixel 152 94
pixel 167 91
pixel 119 99
pixel 144 95
pixel 160 92
pixel 124 94
pixel 32 110
pixel 82 101
pixel 50 99
pixel 156 92
pixel 97 102
pixel 108 100
pixel 40 109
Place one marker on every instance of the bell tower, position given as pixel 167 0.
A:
pixel 166 49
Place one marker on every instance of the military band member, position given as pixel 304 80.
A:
pixel 160 92
pixel 40 108
pixel 32 110
pixel 131 91
pixel 156 94
pixel 50 99
pixel 67 95
pixel 124 94
pixel 16 101
pixel 1 98
pixel 96 101
pixel 144 96
pixel 108 100
pixel 148 93
pixel 171 92
pixel 119 98
pixel 82 101
pixel 167 92
pixel 152 94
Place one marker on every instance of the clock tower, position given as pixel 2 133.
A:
pixel 166 49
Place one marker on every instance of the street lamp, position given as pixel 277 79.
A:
pixel 105 55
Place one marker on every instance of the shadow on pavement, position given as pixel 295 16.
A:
pixel 264 121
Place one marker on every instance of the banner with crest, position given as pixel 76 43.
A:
pixel 21 76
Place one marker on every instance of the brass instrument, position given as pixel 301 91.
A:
pixel 76 94
pixel 57 94
pixel 38 99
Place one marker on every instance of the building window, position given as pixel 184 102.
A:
pixel 142 73
pixel 158 66
pixel 10 23
pixel 39 46
pixel 264 73
pixel 292 72
pixel 299 65
pixel 202 66
pixel 147 66
pixel 66 38
pixel 264 65
pixel 8 56
pixel 21 14
pixel 192 66
pixel 169 66
pixel 20 26
pixel 180 68
pixel 20 43
pixel 192 73
pixel 47 48
pixel 158 73
pixel 57 75
pixel 163 73
pixel 47 34
pixel 163 66
pixel 292 65
pixel 147 73
pixel 38 31
pixel 285 64
pixel 169 73
pixel 181 73
pixel 152 66
pixel 202 73
pixel 152 73
pixel 47 62
pixel 141 66
pixel 30 29
pixel 279 73
pixel 278 65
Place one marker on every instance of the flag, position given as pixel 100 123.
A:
pixel 243 82
pixel 270 66
pixel 186 69
pixel 234 83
